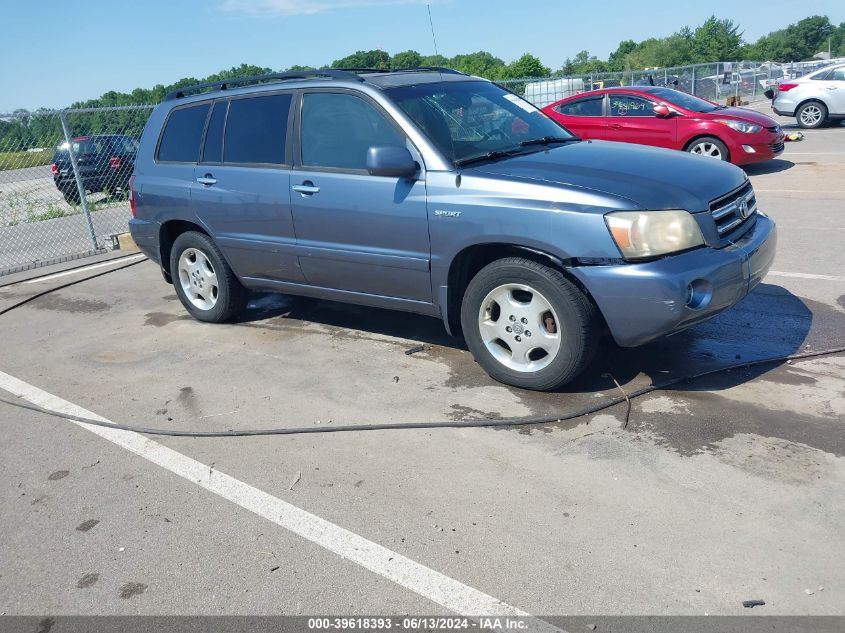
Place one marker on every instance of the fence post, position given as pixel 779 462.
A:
pixel 80 186
pixel 693 80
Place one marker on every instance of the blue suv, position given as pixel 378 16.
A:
pixel 430 191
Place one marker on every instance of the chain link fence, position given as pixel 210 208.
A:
pixel 64 173
pixel 744 81
pixel 64 182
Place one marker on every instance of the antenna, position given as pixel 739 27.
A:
pixel 431 23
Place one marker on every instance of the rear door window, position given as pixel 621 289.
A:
pixel 180 141
pixel 582 107
pixel 256 130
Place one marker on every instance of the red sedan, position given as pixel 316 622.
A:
pixel 652 115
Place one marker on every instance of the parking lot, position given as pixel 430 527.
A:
pixel 717 490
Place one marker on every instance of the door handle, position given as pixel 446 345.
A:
pixel 615 126
pixel 207 180
pixel 832 87
pixel 307 188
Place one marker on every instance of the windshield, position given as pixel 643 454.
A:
pixel 686 101
pixel 471 119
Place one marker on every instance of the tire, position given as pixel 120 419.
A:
pixel 204 282
pixel 710 147
pixel 544 359
pixel 811 115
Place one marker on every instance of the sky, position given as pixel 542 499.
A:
pixel 55 53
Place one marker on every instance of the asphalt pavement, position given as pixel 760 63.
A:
pixel 716 491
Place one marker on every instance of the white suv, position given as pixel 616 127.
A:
pixel 814 99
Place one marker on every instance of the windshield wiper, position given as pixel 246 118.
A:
pixel 548 140
pixel 492 155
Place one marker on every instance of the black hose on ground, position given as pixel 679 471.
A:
pixel 449 424
pixel 66 285
pixel 389 426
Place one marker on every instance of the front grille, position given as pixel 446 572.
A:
pixel 777 148
pixel 734 213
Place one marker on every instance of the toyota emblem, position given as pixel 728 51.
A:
pixel 743 208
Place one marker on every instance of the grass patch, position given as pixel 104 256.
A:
pixel 51 213
pixel 21 160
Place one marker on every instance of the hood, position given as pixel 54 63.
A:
pixel 650 177
pixel 743 114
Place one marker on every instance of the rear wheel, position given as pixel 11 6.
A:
pixel 204 282
pixel 811 115
pixel 527 325
pixel 710 147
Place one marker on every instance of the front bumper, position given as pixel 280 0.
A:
pixel 643 302
pixel 758 147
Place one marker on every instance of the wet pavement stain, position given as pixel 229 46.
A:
pixel 790 378
pixel 45 625
pixel 718 418
pixel 132 589
pixel 160 319
pixel 841 301
pixel 87 525
pixel 462 412
pixel 39 500
pixel 59 303
pixel 59 474
pixel 88 580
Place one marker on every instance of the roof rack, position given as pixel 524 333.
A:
pixel 224 84
pixel 414 69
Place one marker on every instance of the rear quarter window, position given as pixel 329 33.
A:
pixel 180 139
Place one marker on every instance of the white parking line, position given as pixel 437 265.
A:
pixel 778 273
pixel 83 269
pixel 426 582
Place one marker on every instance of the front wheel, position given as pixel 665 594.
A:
pixel 527 325
pixel 811 115
pixel 204 282
pixel 709 146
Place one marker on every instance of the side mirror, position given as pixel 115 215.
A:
pixel 662 111
pixel 391 160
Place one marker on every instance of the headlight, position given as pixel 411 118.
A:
pixel 640 234
pixel 740 126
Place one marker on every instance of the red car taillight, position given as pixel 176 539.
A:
pixel 132 207
pixel 55 169
pixel 114 162
pixel 786 87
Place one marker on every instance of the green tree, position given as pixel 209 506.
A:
pixel 481 64
pixel 796 42
pixel 406 59
pixel 364 59
pixel 616 60
pixel 525 66
pixel 584 64
pixel 717 40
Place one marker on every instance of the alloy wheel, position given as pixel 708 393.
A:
pixel 198 279
pixel 519 327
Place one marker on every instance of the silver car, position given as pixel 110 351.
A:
pixel 813 99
